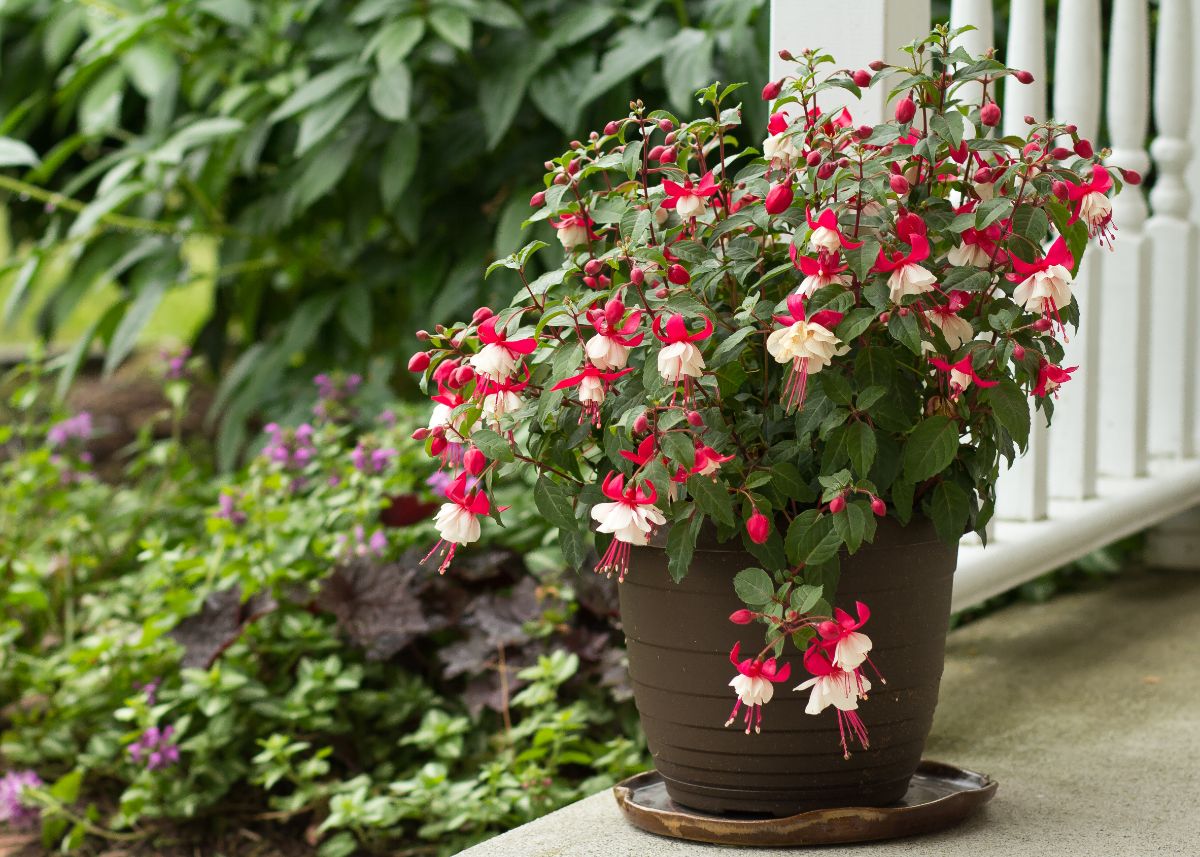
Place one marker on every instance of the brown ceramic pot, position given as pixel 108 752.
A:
pixel 679 637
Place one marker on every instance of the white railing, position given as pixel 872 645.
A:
pixel 1120 456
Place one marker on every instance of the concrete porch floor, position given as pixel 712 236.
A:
pixel 1086 709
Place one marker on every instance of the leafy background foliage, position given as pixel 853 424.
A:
pixel 333 172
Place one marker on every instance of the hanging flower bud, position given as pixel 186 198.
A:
pixel 878 507
pixel 771 90
pixel 906 109
pixel 837 504
pixel 538 199
pixel 865 131
pixel 593 267
pixel 1061 190
pixel 668 155
pixel 779 198
pixel 741 617
pixel 758 527
pixel 481 315
pixel 419 362
pixel 462 375
pixel 1060 153
pixel 786 55
pixel 1084 149
pixel 474 461
pixel 1024 77
pixel 611 128
pixel 877 65
pixel 1018 352
pixel 826 170
pixel 862 77
pixel 420 434
pixel 1042 325
pixel 899 184
pixel 678 275
pixel 812 158
pixel 989 114
pixel 695 420
pixel 641 425
pixel 437 446
pixel 637 276
pixel 1132 177
pixel 665 124
pixel 656 153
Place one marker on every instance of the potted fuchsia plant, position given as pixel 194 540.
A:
pixel 778 386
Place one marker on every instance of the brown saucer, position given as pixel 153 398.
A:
pixel 939 796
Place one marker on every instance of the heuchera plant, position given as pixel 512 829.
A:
pixel 784 346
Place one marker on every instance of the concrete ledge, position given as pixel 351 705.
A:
pixel 1085 709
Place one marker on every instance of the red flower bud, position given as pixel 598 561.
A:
pixel 678 275
pixel 1132 177
pixel 462 375
pixel 1084 149
pixel 899 184
pixel 1061 190
pixel 878 507
pixel 422 335
pixel 837 504
pixel 786 55
pixel 903 311
pixel 593 267
pixel 812 158
pixel 481 315
pixel 590 282
pixel 741 617
pixel 1060 153
pixel 1042 325
pixel 779 198
pixel 474 461
pixel 826 170
pixel 437 446
pixel 605 281
pixel 865 131
pixel 1018 352
pixel 758 528
pixel 695 419
pixel 637 276
pixel 877 65
pixel 420 434
pixel 884 316
pixel 612 128
pixel 1031 151
pixel 669 140
pixel 906 109
pixel 665 124
pixel 641 425
pixel 419 362
pixel 668 155
pixel 989 114
pixel 983 175
pixel 862 77
pixel 573 166
pixel 655 153
pixel 663 293
pixel 771 90
pixel 538 199
pixel 1024 77
pixel 561 178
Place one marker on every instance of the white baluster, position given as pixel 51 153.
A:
pixel 1074 441
pixel 854 32
pixel 978 14
pixel 1022 493
pixel 1194 184
pixel 1125 332
pixel 1173 240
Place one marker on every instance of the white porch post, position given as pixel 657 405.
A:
pixel 855 32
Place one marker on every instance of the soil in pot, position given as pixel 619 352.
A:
pixel 679 637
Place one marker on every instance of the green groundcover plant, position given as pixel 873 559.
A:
pixel 784 345
pixel 263 648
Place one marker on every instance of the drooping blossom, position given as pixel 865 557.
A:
pixel 826 234
pixel 615 335
pixel 17 811
pixel 820 272
pixel 946 318
pixel 841 636
pixel 497 359
pixel 593 387
pixel 679 358
pixel 645 451
pixel 779 143
pixel 290 448
pixel 689 199
pixel 708 460
pixel 979 247
pixel 1051 377
pixel 457 521
pixel 907 275
pixel 1046 285
pixel 78 427
pixel 808 344
pixel 755 686
pixel 574 230
pixel 155 748
pixel 443 416
pixel 631 517
pixel 1092 205
pixel 502 397
pixel 961 375
pixel 832 685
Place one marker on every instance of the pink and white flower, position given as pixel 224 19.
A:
pixel 780 144
pixel 826 234
pixel 631 517
pixel 498 357
pixel 574 230
pixel 820 272
pixel 679 359
pixel 457 521
pixel 688 199
pixel 615 336
pixel 501 397
pixel 832 685
pixel 755 686
pixel 809 345
pixel 961 375
pixel 1046 287
pixel 907 275
pixel 1051 377
pixel 1092 205
pixel 842 635
pixel 954 327
pixel 593 387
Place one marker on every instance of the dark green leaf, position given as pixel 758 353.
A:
pixel 930 448
pixel 713 498
pixel 1011 407
pixel 495 447
pixel 950 509
pixel 754 587
pixel 555 504
pixel 861 445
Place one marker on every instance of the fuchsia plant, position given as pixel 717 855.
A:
pixel 782 347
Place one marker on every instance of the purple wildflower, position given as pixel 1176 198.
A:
pixel 155 748
pixel 176 363
pixel 15 810
pixel 333 391
pixel 78 427
pixel 387 418
pixel 371 460
pixel 150 688
pixel 291 448
pixel 362 545
pixel 228 510
pixel 439 482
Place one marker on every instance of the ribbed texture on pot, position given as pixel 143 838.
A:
pixel 679 637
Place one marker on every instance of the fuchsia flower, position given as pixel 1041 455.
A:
pixel 755 686
pixel 826 234
pixel 615 336
pixel 644 454
pixel 1050 378
pixel 574 230
pixel 907 275
pixel 593 387
pixel 1092 205
pixel 809 345
pixel 443 412
pixel 779 145
pixel 1046 286
pixel 832 685
pixel 841 635
pixel 954 327
pixel 679 359
pixel 498 358
pixel 689 199
pixel 708 460
pixel 820 272
pixel 961 374
pixel 457 521
pixel 978 247
pixel 631 517
pixel 501 397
